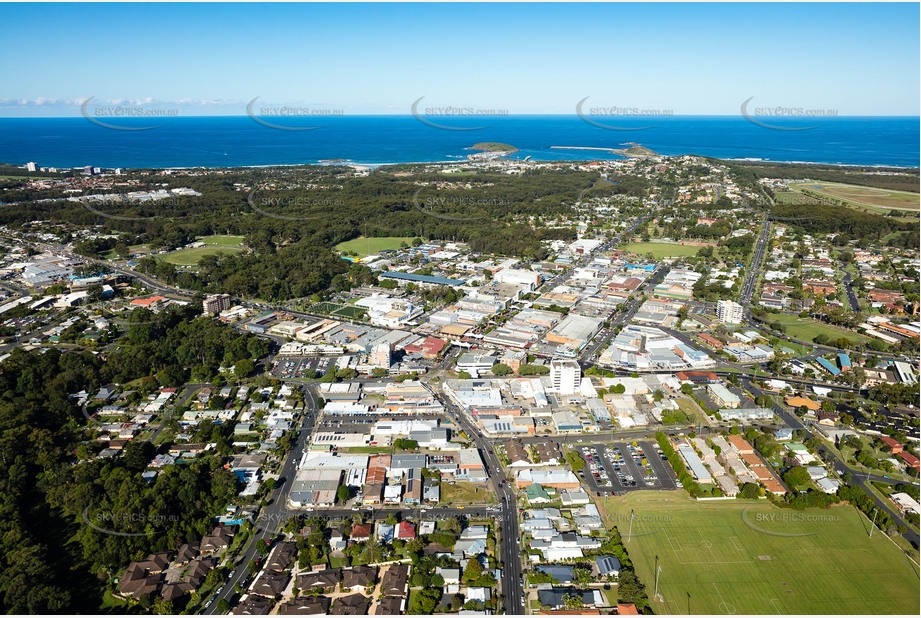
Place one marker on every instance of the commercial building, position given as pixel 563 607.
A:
pixel 527 278
pixel 566 376
pixel 402 277
pixel 475 364
pixel 380 355
pixel 315 487
pixel 574 331
pixel 729 312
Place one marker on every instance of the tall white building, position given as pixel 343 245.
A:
pixel 566 376
pixel 31 166
pixel 729 312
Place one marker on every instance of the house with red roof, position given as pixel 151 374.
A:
pixel 360 532
pixel 430 347
pixel 406 531
pixel 149 303
pixel 910 460
pixel 894 446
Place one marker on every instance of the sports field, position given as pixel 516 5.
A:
pixel 324 307
pixel 221 240
pixel 369 246
pixel 749 557
pixel 348 311
pixel 661 249
pixel 214 245
pixel 807 329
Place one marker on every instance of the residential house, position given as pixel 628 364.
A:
pixel 395 580
pixel 390 606
pixel 326 580
pixel 281 556
pixel 271 583
pixel 360 532
pixel 351 605
pixel 359 579
pixel 218 540
pixel 608 566
pixel 305 606
pixel 253 605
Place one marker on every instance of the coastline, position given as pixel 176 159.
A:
pixel 375 165
pixel 232 142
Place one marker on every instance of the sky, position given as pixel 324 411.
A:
pixel 686 58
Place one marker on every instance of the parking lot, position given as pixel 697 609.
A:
pixel 298 366
pixel 621 467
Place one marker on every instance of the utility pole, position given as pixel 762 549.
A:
pixel 658 570
pixel 630 532
pixel 873 527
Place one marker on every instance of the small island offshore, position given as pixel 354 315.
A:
pixel 494 147
pixel 491 150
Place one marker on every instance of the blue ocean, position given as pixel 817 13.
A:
pixel 235 141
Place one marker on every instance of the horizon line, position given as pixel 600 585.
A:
pixel 459 117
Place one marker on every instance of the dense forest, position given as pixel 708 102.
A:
pixel 52 487
pixel 292 218
pixel 850 224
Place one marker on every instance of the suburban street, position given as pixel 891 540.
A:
pixel 859 478
pixel 849 291
pixel 512 591
pixel 273 516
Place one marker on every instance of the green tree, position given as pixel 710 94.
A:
pixel 501 369
pixel 796 476
pixel 472 571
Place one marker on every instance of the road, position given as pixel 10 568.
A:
pixel 512 590
pixel 274 515
pixel 748 288
pixel 851 297
pixel 629 309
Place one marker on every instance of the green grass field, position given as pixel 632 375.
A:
pixel 369 450
pixel 325 307
pixel 749 557
pixel 214 245
pixel 691 409
pixel 349 312
pixel 369 246
pixel 797 348
pixel 660 249
pixel 466 493
pixel 222 240
pixel 870 199
pixel 807 329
